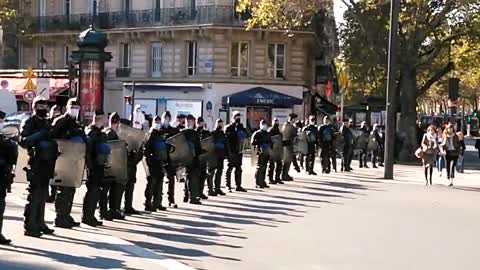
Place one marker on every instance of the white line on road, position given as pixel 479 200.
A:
pixel 152 257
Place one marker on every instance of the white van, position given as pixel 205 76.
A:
pixel 8 102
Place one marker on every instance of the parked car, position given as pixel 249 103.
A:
pixel 16 119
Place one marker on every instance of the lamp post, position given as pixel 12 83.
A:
pixel 391 93
pixel 91 57
pixel 43 65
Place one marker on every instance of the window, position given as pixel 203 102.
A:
pixel 66 56
pixel 276 60
pixel 192 58
pixel 42 7
pixel 93 7
pixel 124 55
pixel 40 55
pixel 67 8
pixel 157 54
pixel 127 5
pixel 239 59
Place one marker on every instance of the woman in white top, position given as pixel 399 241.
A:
pixel 429 147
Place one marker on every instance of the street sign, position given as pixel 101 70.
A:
pixel 29 95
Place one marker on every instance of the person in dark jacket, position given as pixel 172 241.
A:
pixel 235 134
pixel 43 152
pixel 275 164
pixel 156 153
pixel 362 155
pixel 348 145
pixel 192 185
pixel 97 156
pixel 111 191
pixel 220 140
pixel 170 168
pixel 374 145
pixel 289 133
pixel 8 159
pixel 54 113
pixel 326 133
pixel 66 127
pixel 204 171
pixel 262 141
pixel 312 135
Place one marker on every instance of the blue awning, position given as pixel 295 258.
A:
pixel 153 86
pixel 260 96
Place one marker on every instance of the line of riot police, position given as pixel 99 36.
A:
pixel 60 153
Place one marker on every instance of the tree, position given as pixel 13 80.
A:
pixel 426 30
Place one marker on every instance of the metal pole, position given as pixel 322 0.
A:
pixel 341 106
pixel 133 103
pixel 391 92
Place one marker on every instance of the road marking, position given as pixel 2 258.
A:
pixel 129 247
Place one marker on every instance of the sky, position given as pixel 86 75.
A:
pixel 339 8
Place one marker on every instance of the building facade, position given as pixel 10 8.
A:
pixel 186 56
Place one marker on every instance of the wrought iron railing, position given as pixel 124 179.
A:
pixel 222 15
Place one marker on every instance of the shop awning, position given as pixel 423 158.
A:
pixel 260 96
pixel 324 106
pixel 152 86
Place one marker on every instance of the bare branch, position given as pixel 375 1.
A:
pixel 437 76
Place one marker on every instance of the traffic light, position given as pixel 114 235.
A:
pixel 475 113
pixel 367 108
pixel 469 118
pixel 453 85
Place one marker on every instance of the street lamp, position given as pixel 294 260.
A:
pixel 391 91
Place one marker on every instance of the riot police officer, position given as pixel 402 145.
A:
pixel 97 156
pixel 43 152
pixel 67 127
pixel 348 145
pixel 134 157
pixel 235 135
pixel 192 183
pixel 111 191
pixel 54 113
pixel 326 133
pixel 181 121
pixel 275 164
pixel 8 158
pixel 204 171
pixel 262 141
pixel 311 132
pixel 362 156
pixel 170 168
pixel 156 153
pixel 289 132
pixel 374 141
pixel 219 139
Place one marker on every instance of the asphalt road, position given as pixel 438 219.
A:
pixel 337 221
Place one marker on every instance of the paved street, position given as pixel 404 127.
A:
pixel 339 221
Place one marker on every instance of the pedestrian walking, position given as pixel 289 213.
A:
pixel 429 148
pixel 440 159
pixel 451 147
pixel 362 145
pixel 462 152
pixel 348 145
pixel 138 117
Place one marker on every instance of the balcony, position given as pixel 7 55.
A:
pixel 221 15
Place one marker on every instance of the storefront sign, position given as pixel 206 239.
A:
pixel 281 114
pixel 186 107
pixel 90 89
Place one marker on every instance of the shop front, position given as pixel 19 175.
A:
pixel 258 104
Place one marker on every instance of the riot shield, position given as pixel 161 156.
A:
pixel 132 136
pixel 372 143
pixel 288 132
pixel 208 146
pixel 116 168
pixel 181 153
pixel 254 157
pixel 70 164
pixel 22 165
pixel 339 142
pixel 300 145
pixel 277 148
pixel 288 154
